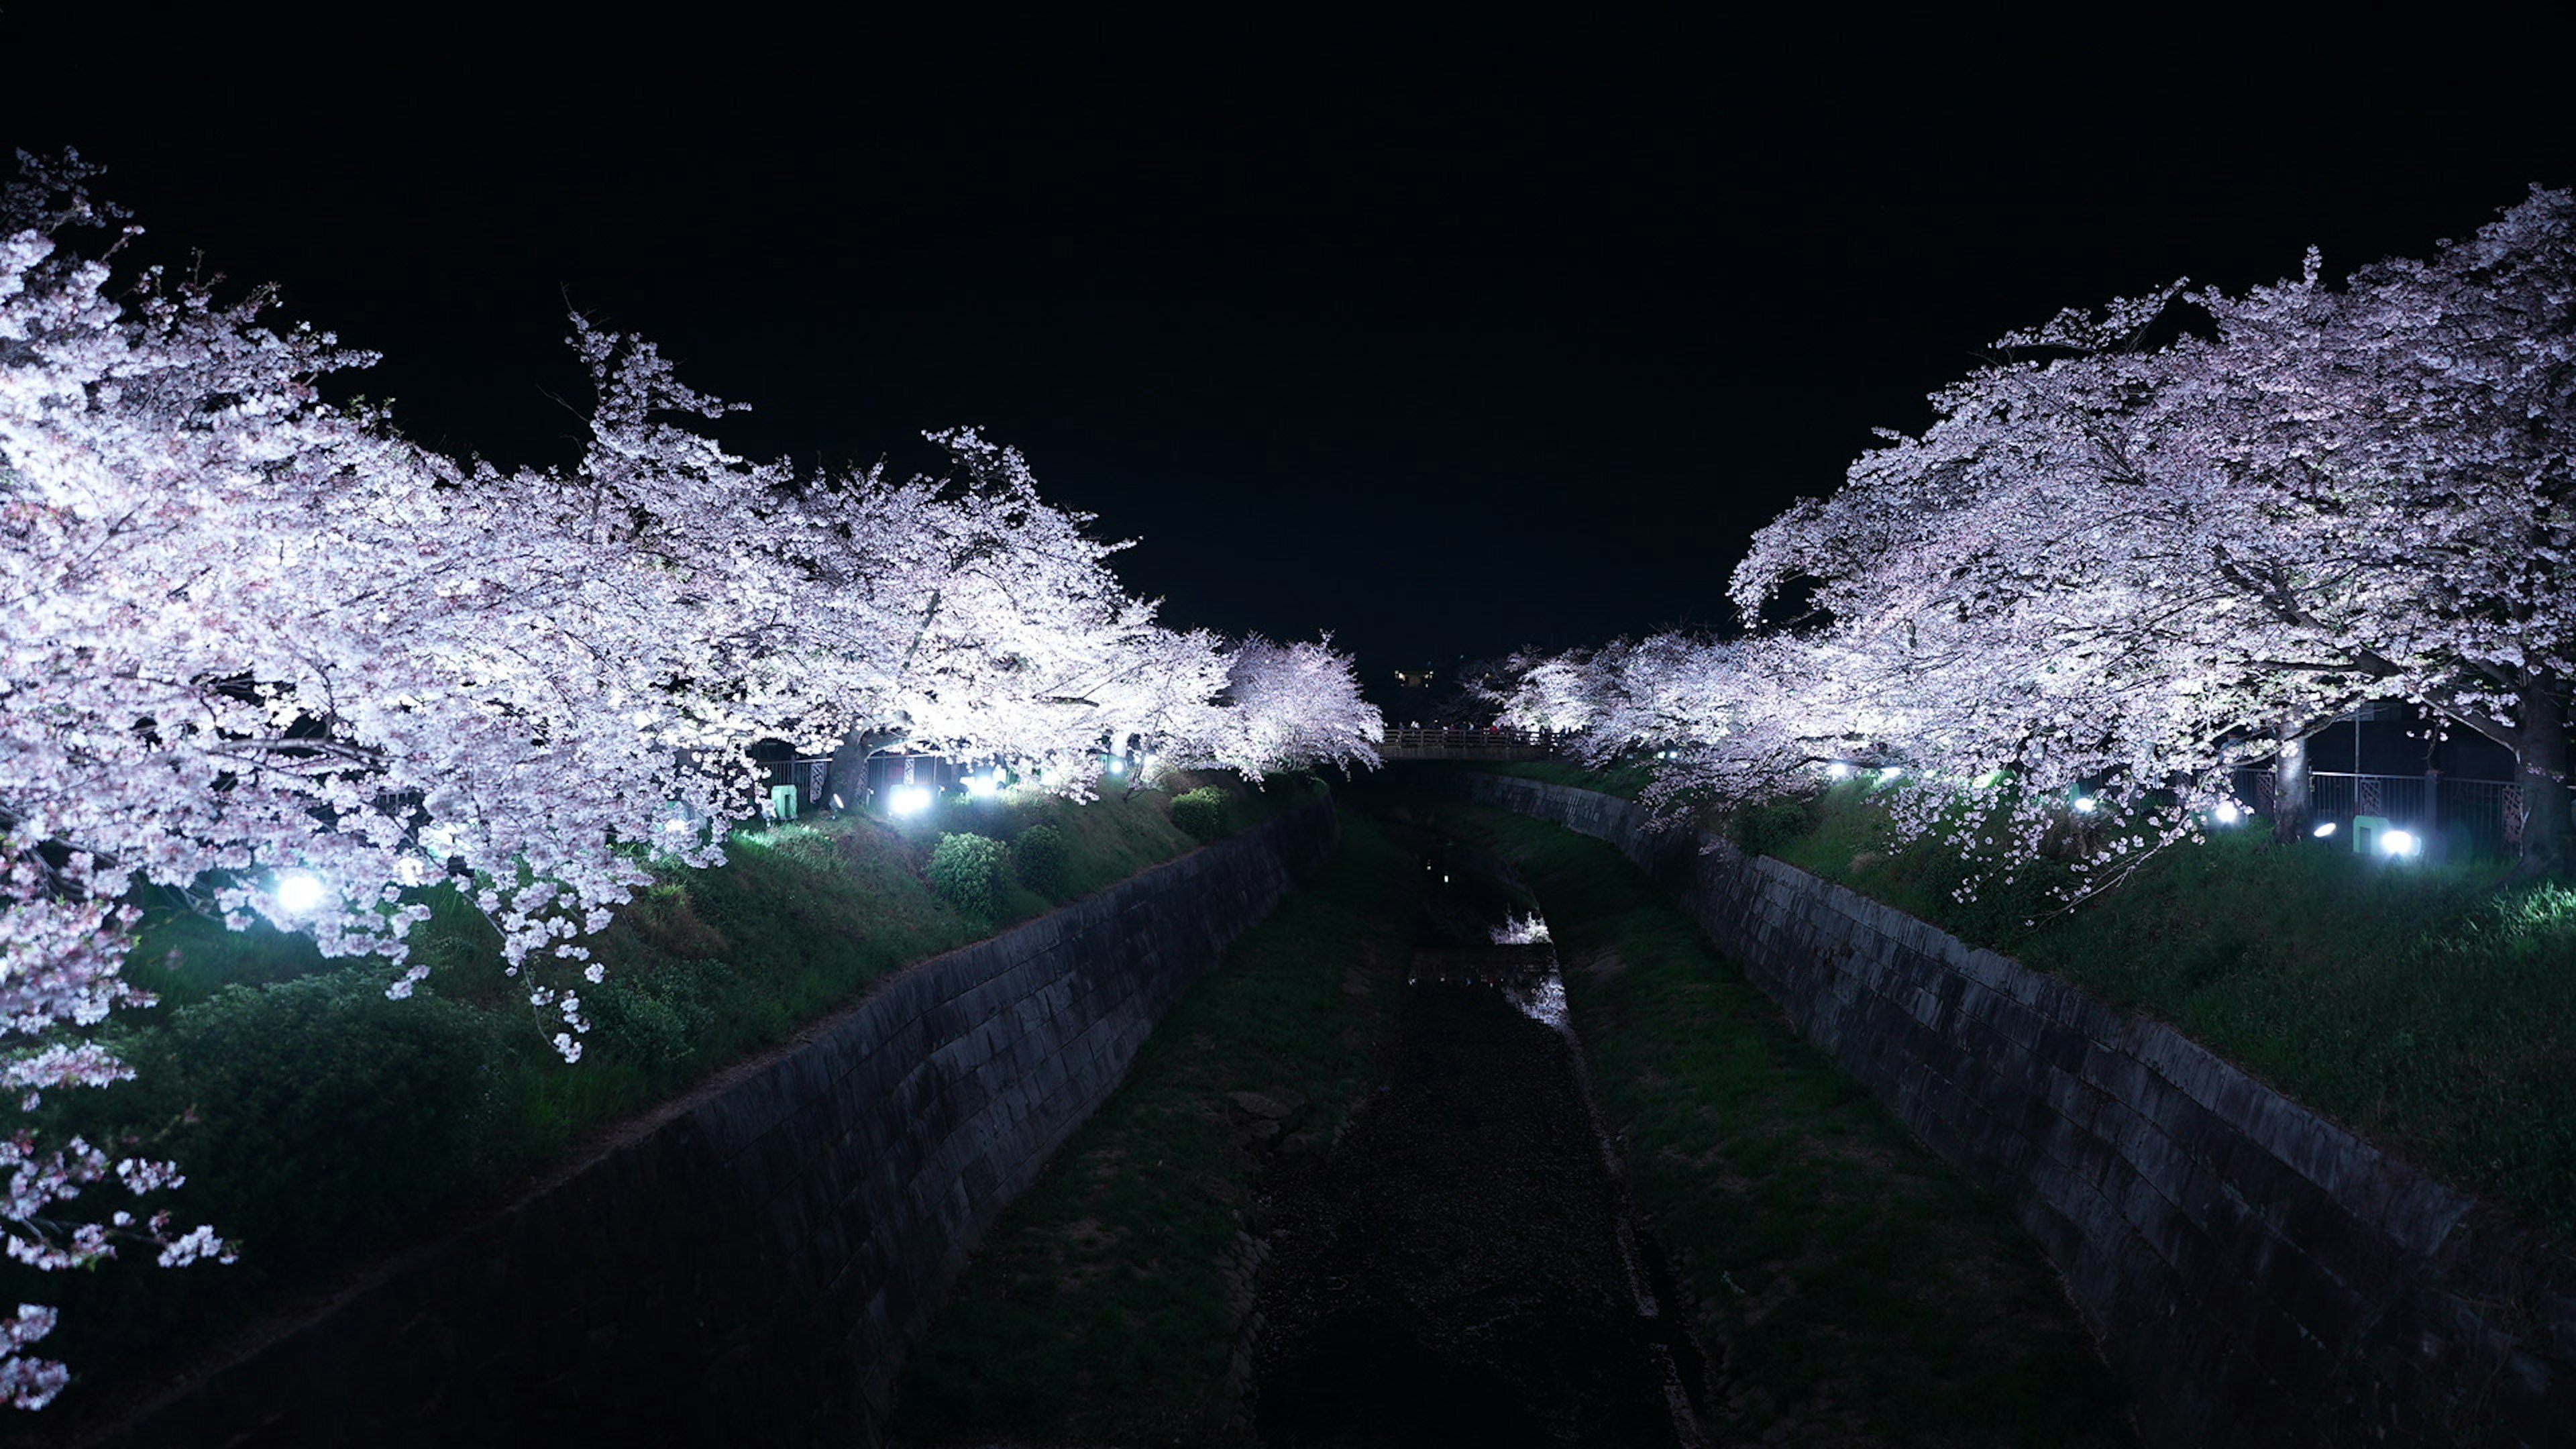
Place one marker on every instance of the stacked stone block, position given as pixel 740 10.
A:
pixel 750 1264
pixel 2262 1276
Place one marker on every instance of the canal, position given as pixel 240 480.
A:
pixel 1461 1266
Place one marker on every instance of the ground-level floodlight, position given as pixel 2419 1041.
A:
pixel 1117 766
pixel 2086 804
pixel 299 890
pixel 2399 843
pixel 2324 830
pixel 2227 812
pixel 1838 770
pixel 983 786
pixel 909 800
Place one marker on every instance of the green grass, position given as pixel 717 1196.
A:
pixel 2432 1009
pixel 1094 1310
pixel 320 1124
pixel 1854 1288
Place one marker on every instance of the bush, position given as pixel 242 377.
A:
pixel 1202 811
pixel 316 1112
pixel 656 1018
pixel 966 870
pixel 1765 829
pixel 1043 860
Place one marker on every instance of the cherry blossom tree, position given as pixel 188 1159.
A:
pixel 2117 565
pixel 263 653
pixel 1285 706
pixel 1005 632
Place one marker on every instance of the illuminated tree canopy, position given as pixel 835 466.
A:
pixel 2128 565
pixel 260 649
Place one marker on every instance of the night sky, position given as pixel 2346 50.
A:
pixel 1446 339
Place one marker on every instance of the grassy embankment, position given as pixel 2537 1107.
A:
pixel 1097 1309
pixel 320 1123
pixel 2430 1008
pixel 1851 1287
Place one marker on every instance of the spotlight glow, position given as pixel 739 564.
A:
pixel 2227 812
pixel 2086 804
pixel 2322 831
pixel 1118 767
pixel 983 786
pixel 909 800
pixel 1889 772
pixel 2399 842
pixel 299 890
pixel 1838 770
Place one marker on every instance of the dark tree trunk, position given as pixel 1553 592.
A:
pixel 2291 808
pixel 2543 775
pixel 850 763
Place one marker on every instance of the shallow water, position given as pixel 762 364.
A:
pixel 1455 1269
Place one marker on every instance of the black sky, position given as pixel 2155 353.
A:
pixel 1446 337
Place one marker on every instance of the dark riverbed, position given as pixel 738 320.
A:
pixel 1453 1271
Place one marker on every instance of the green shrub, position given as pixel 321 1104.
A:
pixel 658 1017
pixel 316 1112
pixel 966 870
pixel 1043 861
pixel 1202 811
pixel 1765 829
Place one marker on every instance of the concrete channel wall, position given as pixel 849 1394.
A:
pixel 750 1265
pixel 2260 1275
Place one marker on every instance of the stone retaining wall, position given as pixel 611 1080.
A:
pixel 750 1265
pixel 2261 1276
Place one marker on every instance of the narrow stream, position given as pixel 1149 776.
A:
pixel 1461 1268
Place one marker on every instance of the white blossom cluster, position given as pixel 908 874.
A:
pixel 2130 556
pixel 262 652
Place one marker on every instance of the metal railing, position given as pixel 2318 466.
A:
pixel 2484 815
pixel 1496 739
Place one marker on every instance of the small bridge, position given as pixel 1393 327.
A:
pixel 1489 965
pixel 1497 743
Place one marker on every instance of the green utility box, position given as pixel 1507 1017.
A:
pixel 782 802
pixel 2366 831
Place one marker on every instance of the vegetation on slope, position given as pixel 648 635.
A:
pixel 320 1123
pixel 2431 1008
pixel 1098 1308
pixel 1851 1287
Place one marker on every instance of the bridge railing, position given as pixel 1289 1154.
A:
pixel 1494 739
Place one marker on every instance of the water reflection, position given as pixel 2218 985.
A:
pixel 1542 1001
